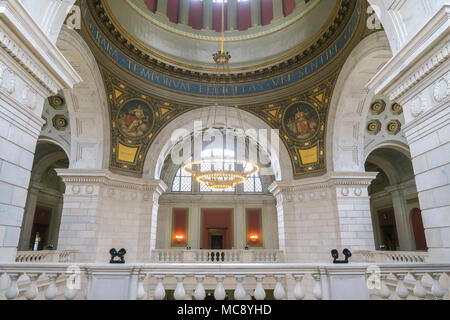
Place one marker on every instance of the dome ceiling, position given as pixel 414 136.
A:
pixel 184 34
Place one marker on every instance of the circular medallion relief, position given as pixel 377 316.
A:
pixel 135 119
pixel 301 121
pixel 377 107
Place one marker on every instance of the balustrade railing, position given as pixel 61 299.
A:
pixel 191 280
pixel 391 256
pixel 217 256
pixel 60 256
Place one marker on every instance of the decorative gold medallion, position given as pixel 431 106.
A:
pixel 377 107
pixel 394 127
pixel 374 127
pixel 396 109
pixel 57 102
pixel 60 122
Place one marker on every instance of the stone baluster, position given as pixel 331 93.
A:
pixel 384 291
pixel 33 290
pixel 299 293
pixel 436 289
pixel 199 293
pixel 279 293
pixel 239 292
pixel 259 292
pixel 219 292
pixel 160 292
pixel 419 291
pixel 52 290
pixel 13 290
pixel 140 295
pixel 180 293
pixel 401 290
pixel 317 291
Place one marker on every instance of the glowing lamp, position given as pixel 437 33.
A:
pixel 254 237
pixel 179 237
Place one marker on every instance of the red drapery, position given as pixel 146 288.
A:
pixel 172 10
pixel 266 11
pixel 151 5
pixel 288 7
pixel 244 15
pixel 196 14
pixel 217 17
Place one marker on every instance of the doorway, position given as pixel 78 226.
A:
pixel 216 238
pixel 217 229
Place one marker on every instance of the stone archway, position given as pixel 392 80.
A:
pixel 225 116
pixel 87 105
pixel 350 104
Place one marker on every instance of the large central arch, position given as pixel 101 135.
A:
pixel 225 116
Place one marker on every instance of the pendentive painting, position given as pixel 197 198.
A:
pixel 135 119
pixel 301 121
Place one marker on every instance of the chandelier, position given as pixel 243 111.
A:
pixel 221 173
pixel 222 170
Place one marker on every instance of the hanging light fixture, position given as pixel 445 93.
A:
pixel 221 170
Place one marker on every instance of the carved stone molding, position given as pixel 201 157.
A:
pixel 25 42
pixel 339 184
pixel 92 182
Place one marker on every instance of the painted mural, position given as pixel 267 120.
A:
pixel 135 119
pixel 301 121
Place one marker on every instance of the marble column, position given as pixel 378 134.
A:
pixel 207 14
pixel 417 77
pixel 255 12
pixel 184 12
pixel 28 218
pixel 161 8
pixel 232 14
pixel 402 220
pixel 278 10
pixel 31 69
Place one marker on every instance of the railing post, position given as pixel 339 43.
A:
pixel 52 290
pixel 140 295
pixel 436 289
pixel 419 291
pixel 384 291
pixel 180 293
pixel 33 290
pixel 219 292
pixel 279 293
pixel 160 292
pixel 13 290
pixel 317 291
pixel 199 293
pixel 239 292
pixel 401 290
pixel 259 292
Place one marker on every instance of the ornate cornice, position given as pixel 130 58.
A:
pixel 127 46
pixel 411 65
pixel 106 178
pixel 27 44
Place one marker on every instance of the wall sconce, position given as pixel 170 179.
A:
pixel 254 237
pixel 179 237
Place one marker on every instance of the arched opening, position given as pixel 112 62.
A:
pixel 393 195
pixel 41 222
pixel 193 215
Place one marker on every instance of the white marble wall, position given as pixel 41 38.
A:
pixel 418 78
pixel 31 69
pixel 317 215
pixel 103 210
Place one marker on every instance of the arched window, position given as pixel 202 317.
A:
pixel 253 184
pixel 182 182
